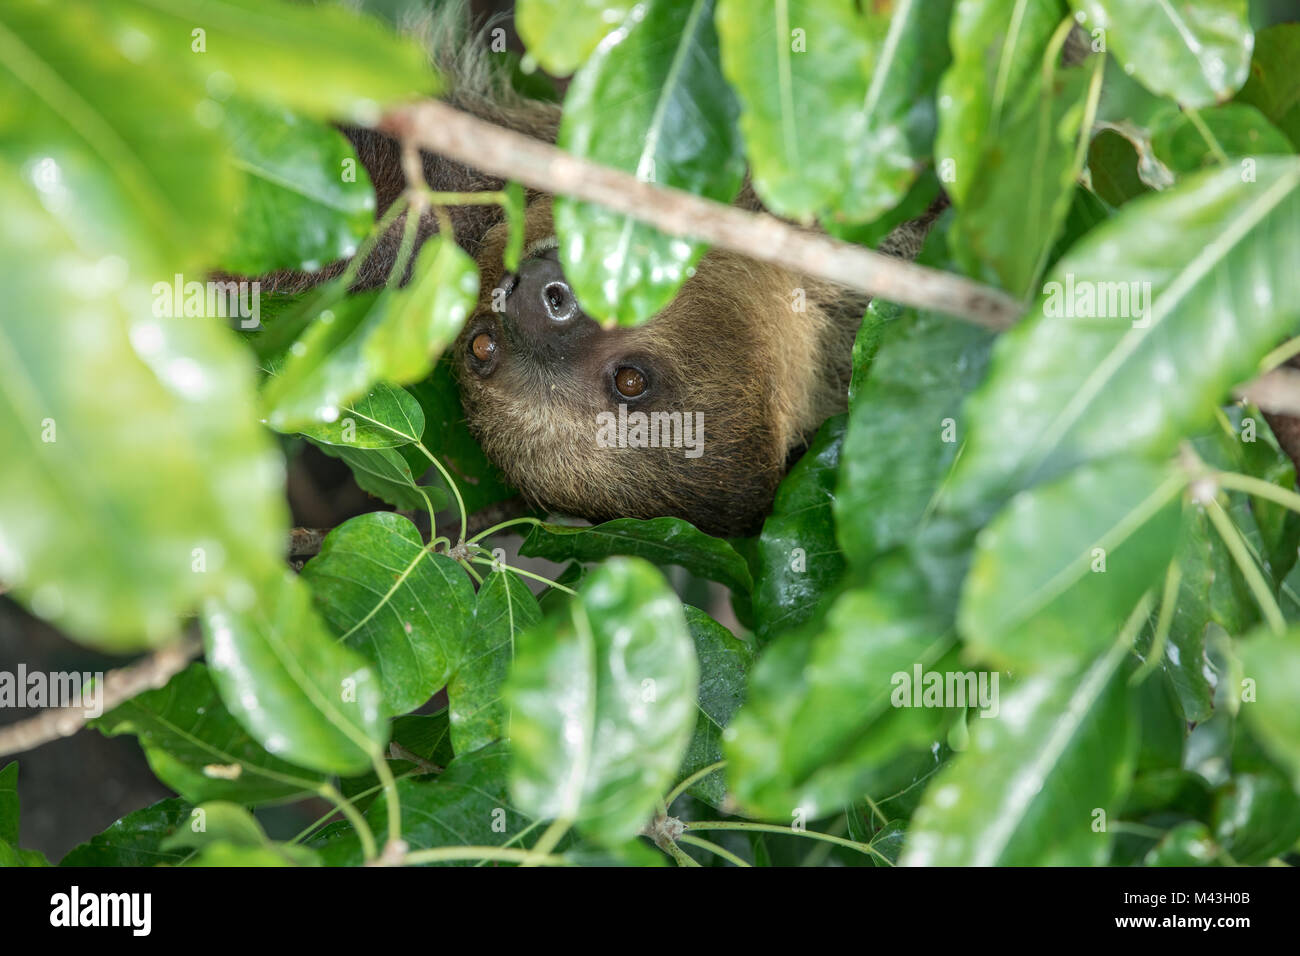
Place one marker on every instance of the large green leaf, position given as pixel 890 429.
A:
pixel 800 68
pixel 1195 51
pixel 724 666
pixel 307 200
pixel 1027 791
pixel 1058 571
pixel 197 748
pixel 1237 129
pixel 1272 663
pixel 318 59
pixel 505 607
pixel 299 693
pixel 661 540
pixel 603 699
pixel 798 561
pixel 136 839
pixel 1067 388
pixel 561 34
pixel 652 101
pixel 997 55
pixel 386 417
pixel 817 728
pixel 407 610
pixel 906 428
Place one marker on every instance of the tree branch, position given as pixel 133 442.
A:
pixel 119 685
pixel 443 129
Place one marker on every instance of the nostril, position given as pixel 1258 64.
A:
pixel 559 301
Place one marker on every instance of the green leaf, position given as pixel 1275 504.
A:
pixel 798 560
pixel 136 839
pixel 516 222
pixel 1256 817
pixel 1065 389
pixel 894 135
pixel 387 417
pixel 800 69
pixel 1195 51
pixel 227 835
pixel 561 34
pixel 817 727
pixel 651 101
pixel 1113 162
pixel 319 60
pixel 478 714
pixel 195 746
pixel 1274 84
pixel 997 56
pixel 725 662
pixel 1010 216
pixel 1057 572
pixel 1187 844
pixel 405 609
pixel 465 805
pixel 299 693
pixel 1272 662
pixel 307 198
pixel 384 473
pixel 602 702
pixel 10 855
pixel 1026 792
pixel 906 427
pixel 1238 129
pixel 660 540
pixel 425 315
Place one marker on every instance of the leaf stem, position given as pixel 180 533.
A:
pixel 528 574
pixel 1249 569
pixel 713 848
pixel 1259 488
pixel 353 815
pixel 690 781
pixel 390 796
pixel 1168 599
pixel 1210 139
pixel 443 854
pixel 502 525
pixel 546 842
pixel 680 856
pixel 455 489
pixel 786 831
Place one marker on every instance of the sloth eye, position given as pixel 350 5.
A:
pixel 483 346
pixel 629 381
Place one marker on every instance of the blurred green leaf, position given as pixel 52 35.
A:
pixel 1256 817
pixel 225 834
pixel 1271 663
pixel 1274 84
pixel 1237 129
pixel 561 34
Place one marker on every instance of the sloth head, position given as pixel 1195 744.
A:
pixel 694 414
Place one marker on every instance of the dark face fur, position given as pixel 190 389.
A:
pixel 731 351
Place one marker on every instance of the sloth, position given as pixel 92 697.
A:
pixel 750 357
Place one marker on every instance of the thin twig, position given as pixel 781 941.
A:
pixel 152 672
pixel 443 129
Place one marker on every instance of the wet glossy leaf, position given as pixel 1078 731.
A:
pixel 1026 791
pixel 504 608
pixel 386 417
pixel 798 560
pixel 652 102
pixel 561 34
pixel 1064 388
pixel 660 540
pixel 405 609
pixel 603 699
pixel 1195 51
pixel 298 692
pixel 197 748
pixel 307 198
pixel 136 839
pixel 1057 572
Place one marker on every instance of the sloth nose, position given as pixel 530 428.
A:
pixel 541 299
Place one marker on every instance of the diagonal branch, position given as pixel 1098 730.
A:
pixel 443 129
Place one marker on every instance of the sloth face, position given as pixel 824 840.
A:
pixel 693 414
